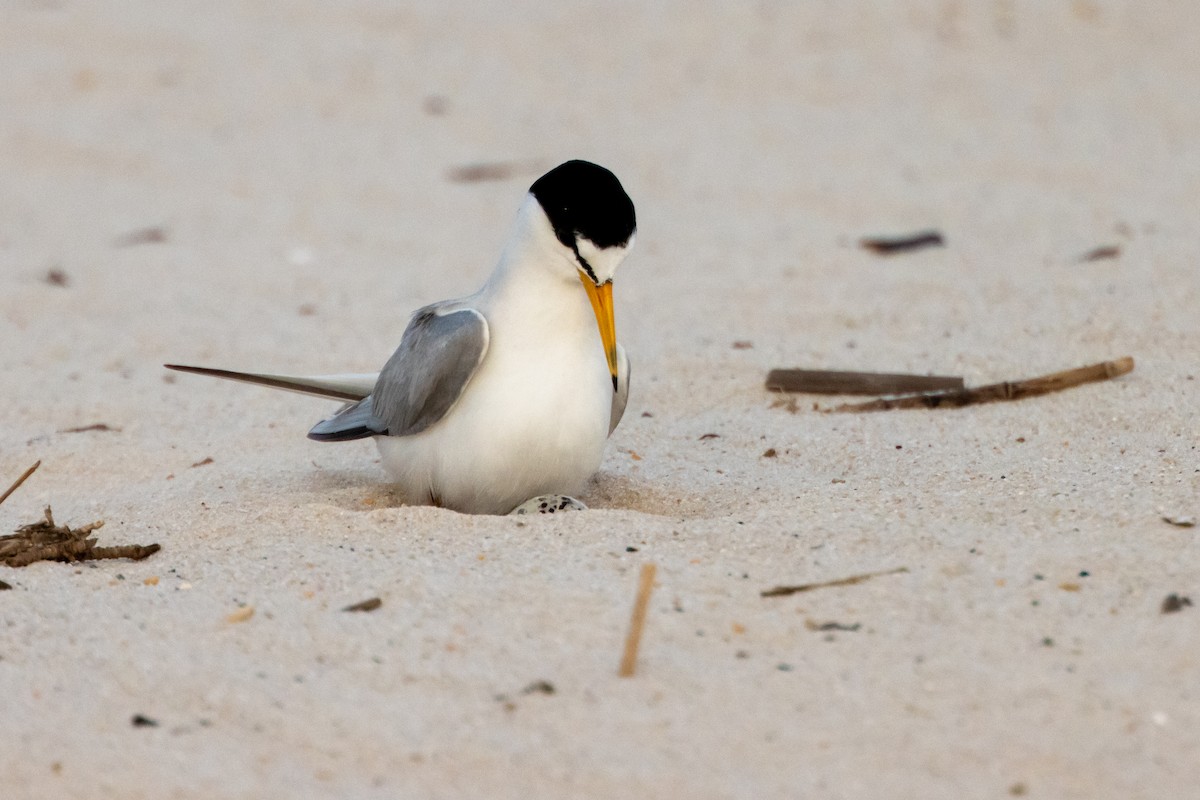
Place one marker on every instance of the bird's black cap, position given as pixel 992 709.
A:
pixel 585 199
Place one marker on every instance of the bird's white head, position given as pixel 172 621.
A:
pixel 594 224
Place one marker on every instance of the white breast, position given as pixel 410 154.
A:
pixel 534 418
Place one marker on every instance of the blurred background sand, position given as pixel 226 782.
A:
pixel 274 186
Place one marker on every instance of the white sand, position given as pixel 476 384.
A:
pixel 289 152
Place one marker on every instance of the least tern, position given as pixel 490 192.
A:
pixel 503 399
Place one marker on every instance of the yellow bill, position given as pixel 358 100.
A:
pixel 602 305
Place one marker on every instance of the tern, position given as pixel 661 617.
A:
pixel 502 401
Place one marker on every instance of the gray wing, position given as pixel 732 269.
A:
pixel 423 379
pixel 621 395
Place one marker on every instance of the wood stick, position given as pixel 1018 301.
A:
pixel 826 381
pixel 887 245
pixel 20 480
pixel 365 605
pixel 784 591
pixel 1102 252
pixel 636 622
pixel 134 552
pixel 1007 390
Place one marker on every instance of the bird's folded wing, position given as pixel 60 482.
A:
pixel 422 380
pixel 350 386
pixel 352 421
pixel 435 361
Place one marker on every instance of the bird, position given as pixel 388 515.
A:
pixel 501 401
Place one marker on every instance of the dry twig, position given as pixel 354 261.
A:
pixel 1101 253
pixel 99 426
pixel 784 591
pixel 887 245
pixel 827 381
pixel 1008 390
pixel 637 621
pixel 366 605
pixel 17 483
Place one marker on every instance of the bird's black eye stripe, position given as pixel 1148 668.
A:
pixel 591 273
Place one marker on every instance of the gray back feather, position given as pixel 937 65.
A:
pixel 429 370
pixel 420 382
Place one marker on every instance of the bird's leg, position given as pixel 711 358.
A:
pixel 548 504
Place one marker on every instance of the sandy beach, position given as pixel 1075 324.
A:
pixel 276 186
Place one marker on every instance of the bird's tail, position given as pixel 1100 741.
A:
pixel 349 387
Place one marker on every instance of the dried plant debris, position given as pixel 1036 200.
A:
pixel 789 404
pixel 491 171
pixel 1101 253
pixel 536 687
pixel 155 234
pixel 1174 602
pixel 891 245
pixel 366 605
pixel 1180 521
pixel 241 615
pixel 784 591
pixel 824 381
pixel 1008 390
pixel 101 427
pixel 539 687
pixel 56 277
pixel 813 625
pixel 46 541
